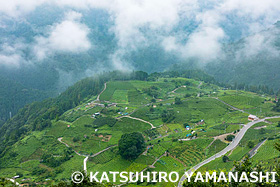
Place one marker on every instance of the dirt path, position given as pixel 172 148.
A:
pixel 255 149
pixel 153 127
pixel 173 91
pixel 252 152
pixel 94 155
pixel 60 140
pixel 85 165
pixel 198 94
pixel 13 181
pixel 210 143
pixel 87 156
pixel 98 97
pixel 200 83
pixel 231 106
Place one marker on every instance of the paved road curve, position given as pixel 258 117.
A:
pixel 230 147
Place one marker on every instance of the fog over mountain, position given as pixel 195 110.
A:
pixel 48 45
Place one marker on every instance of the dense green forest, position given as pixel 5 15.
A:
pixel 14 96
pixel 37 116
pixel 178 70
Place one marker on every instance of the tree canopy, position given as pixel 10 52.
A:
pixel 131 145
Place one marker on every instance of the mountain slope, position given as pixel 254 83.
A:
pixel 14 96
pixel 253 60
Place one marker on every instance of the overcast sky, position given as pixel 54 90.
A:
pixel 192 28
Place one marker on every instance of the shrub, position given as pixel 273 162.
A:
pixel 178 101
pixel 262 131
pixel 230 137
pixel 250 144
pixel 225 158
pixel 76 139
pixel 187 95
pixel 105 121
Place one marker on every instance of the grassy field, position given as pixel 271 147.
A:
pixel 266 153
pixel 250 102
pixel 245 101
pixel 188 153
pixel 205 115
pixel 120 96
pixel 114 86
pixel 216 147
pixel 135 97
pixel 168 164
pixel 218 164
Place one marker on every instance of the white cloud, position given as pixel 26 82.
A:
pixel 205 43
pixel 169 43
pixel 16 8
pixel 11 54
pixel 132 15
pixel 139 22
pixel 118 62
pixel 13 60
pixel 253 8
pixel 259 44
pixel 67 36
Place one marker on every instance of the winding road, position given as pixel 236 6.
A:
pixel 173 91
pixel 230 147
pixel 13 181
pixel 98 97
pixel 60 140
pixel 153 127
pixel 86 156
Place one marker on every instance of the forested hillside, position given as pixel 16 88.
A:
pixel 14 96
pixel 253 60
pixel 38 115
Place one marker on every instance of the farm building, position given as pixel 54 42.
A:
pixel 15 177
pixel 252 117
